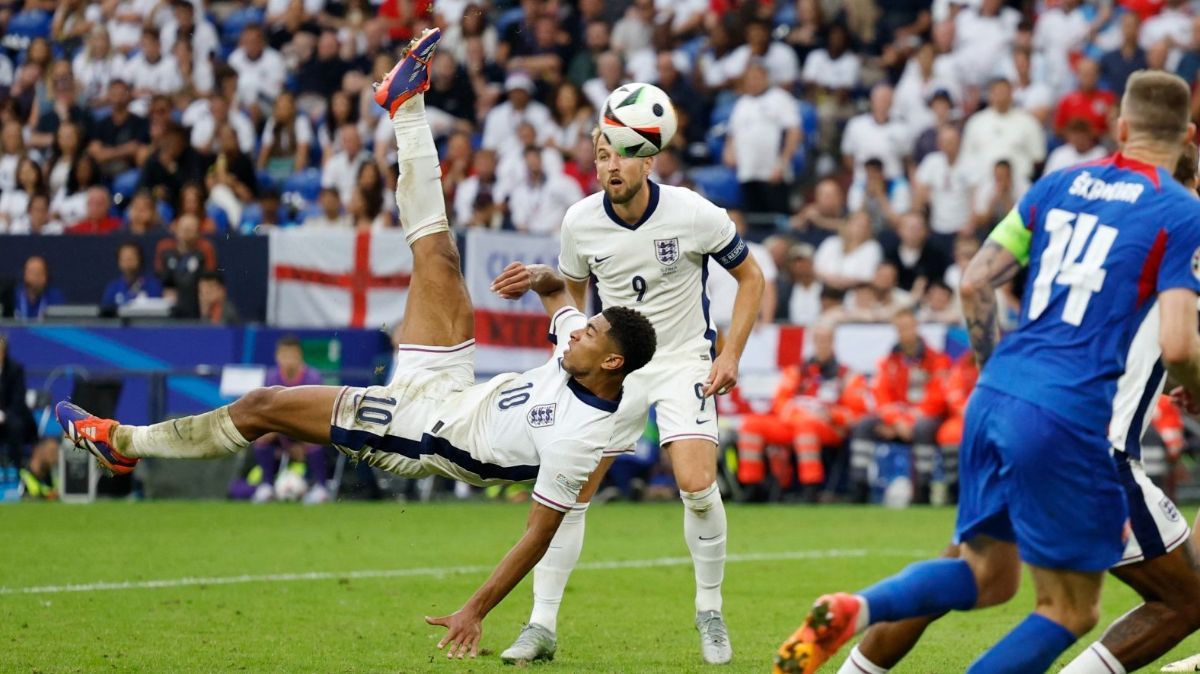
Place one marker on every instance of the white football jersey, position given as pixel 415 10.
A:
pixel 539 421
pixel 657 265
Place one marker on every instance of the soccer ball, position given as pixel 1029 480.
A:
pixel 290 486
pixel 638 120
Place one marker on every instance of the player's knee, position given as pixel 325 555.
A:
pixel 701 501
pixel 696 481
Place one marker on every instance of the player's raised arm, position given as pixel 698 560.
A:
pixel 519 278
pixel 465 626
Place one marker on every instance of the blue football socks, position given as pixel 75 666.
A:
pixel 926 588
pixel 1031 647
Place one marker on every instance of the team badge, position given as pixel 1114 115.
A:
pixel 541 415
pixel 1196 264
pixel 1169 509
pixel 667 251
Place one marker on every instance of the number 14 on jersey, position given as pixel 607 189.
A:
pixel 1060 262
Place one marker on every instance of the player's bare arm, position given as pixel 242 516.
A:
pixel 1179 339
pixel 465 626
pixel 519 278
pixel 746 308
pixel 992 267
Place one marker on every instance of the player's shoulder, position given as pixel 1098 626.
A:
pixel 677 199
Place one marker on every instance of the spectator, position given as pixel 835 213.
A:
pixel 982 35
pixel 916 258
pixel 172 166
pixel 261 70
pixel 850 258
pixel 151 71
pixel 72 22
pixel 833 68
pixel 179 261
pixel 331 214
pixel 98 218
pixel 583 66
pixel 61 109
pixel 882 198
pixel 485 214
pixel 1189 66
pixel 11 153
pixel 722 287
pixel 965 248
pixel 875 134
pixel 231 179
pixel 1088 102
pixel 341 168
pixel 70 203
pixel 219 114
pixel 815 405
pixel 472 25
pixel 142 217
pixel 1063 31
pixel 544 56
pixel 205 43
pixel 1081 146
pixel 1171 27
pixel 763 136
pixel 339 112
pixel 1002 132
pixel 880 300
pixel 668 168
pixel 192 200
pixel 804 303
pixel 15 202
pixel 512 169
pixel 689 104
pixel 517 39
pixel 133 282
pixel 286 140
pixel 945 184
pixel 321 75
pixel 610 73
pixel 573 117
pixel 66 150
pixel 777 246
pixel 290 370
pixel 1116 66
pixel 995 198
pixel 714 57
pixel 960 382
pixel 537 204
pixel 370 181
pixel 634 31
pixel 909 405
pixel 778 58
pixel 455 163
pixel 501 124
pixel 215 306
pixel 925 75
pixel 808 31
pixel 1030 95
pixel 17 426
pixel 481 182
pixel 938 305
pixel 34 293
pixel 451 90
pixel 366 210
pixel 119 141
pixel 37 219
pixel 96 66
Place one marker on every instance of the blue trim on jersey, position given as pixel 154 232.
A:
pixel 733 254
pixel 430 444
pixel 1137 425
pixel 1141 520
pixel 709 333
pixel 650 207
pixel 588 398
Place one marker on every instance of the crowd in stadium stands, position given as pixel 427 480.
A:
pixel 866 146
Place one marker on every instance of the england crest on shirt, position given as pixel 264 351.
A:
pixel 667 250
pixel 542 415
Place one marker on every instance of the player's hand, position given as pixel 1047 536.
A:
pixel 465 628
pixel 1184 401
pixel 723 376
pixel 513 282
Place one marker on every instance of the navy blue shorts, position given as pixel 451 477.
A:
pixel 1031 477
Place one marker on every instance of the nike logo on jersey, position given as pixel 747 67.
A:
pixel 600 259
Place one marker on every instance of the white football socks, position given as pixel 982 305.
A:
pixel 1095 659
pixel 551 574
pixel 419 196
pixel 704 528
pixel 857 663
pixel 203 436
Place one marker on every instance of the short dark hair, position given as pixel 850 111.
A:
pixel 1185 168
pixel 212 275
pixel 287 340
pixel 1157 104
pixel 633 334
pixel 133 245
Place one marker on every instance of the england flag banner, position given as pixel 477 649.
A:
pixel 327 278
pixel 509 335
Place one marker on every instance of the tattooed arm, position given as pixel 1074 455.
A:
pixel 992 266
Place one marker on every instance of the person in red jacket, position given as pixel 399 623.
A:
pixel 1088 102
pixel 959 384
pixel 909 405
pixel 815 403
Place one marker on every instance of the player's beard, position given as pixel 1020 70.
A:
pixel 626 192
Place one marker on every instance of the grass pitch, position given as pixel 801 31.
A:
pixel 343 588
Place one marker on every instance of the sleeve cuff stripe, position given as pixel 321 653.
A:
pixel 550 503
pixel 571 276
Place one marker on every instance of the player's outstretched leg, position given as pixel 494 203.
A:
pixel 301 412
pixel 438 310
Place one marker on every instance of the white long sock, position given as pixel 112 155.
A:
pixel 419 196
pixel 551 574
pixel 857 663
pixel 704 527
pixel 1095 659
pixel 202 436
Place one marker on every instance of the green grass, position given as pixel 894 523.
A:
pixel 614 620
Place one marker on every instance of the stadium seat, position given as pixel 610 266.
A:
pixel 125 184
pixel 306 185
pixel 509 18
pixel 810 125
pixel 719 184
pixel 251 216
pixel 166 214
pixel 218 217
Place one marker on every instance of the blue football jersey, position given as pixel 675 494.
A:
pixel 1102 239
